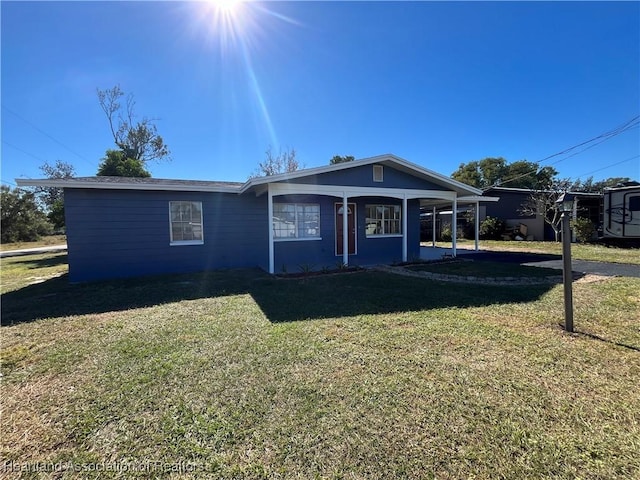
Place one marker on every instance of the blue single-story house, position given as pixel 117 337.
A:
pixel 122 227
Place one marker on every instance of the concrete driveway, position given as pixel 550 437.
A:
pixel 33 251
pixel 555 261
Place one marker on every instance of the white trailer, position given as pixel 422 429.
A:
pixel 621 219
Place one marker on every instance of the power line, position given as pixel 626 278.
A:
pixel 608 166
pixel 47 135
pixel 603 137
pixel 634 122
pixel 8 183
pixel 23 151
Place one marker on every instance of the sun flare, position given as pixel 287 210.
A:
pixel 226 7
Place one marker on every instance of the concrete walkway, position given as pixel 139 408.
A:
pixel 33 251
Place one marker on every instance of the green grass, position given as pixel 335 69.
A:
pixel 485 269
pixel 18 272
pixel 593 252
pixel 358 375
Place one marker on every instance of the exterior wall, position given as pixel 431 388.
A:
pixel 507 209
pixel 293 256
pixel 363 177
pixel 125 233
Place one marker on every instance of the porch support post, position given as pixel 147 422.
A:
pixel 454 225
pixel 270 214
pixel 574 217
pixel 345 229
pixel 404 228
pixel 433 240
pixel 477 225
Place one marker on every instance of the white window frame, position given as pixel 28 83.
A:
pixel 378 173
pixel 295 237
pixel 383 234
pixel 173 242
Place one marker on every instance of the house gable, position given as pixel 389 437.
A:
pixel 415 177
pixel 363 176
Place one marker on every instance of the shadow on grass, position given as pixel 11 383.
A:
pixel 511 257
pixel 605 340
pixel 281 300
pixel 32 263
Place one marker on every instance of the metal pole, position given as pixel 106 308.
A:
pixel 567 277
pixel 477 225
pixel 433 239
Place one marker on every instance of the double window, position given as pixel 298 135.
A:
pixel 383 220
pixel 296 221
pixel 185 219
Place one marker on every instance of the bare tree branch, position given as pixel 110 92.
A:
pixel 137 139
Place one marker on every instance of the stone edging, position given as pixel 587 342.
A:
pixel 469 279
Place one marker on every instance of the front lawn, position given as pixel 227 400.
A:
pixel 361 375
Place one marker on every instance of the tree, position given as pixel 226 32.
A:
pixel 543 202
pixel 52 197
pixel 481 174
pixel 523 174
pixel 283 162
pixel 21 220
pixel 341 159
pixel 116 164
pixel 495 171
pixel 589 186
pixel 138 140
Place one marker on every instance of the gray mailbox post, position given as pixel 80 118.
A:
pixel 565 205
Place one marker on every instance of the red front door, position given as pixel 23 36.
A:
pixel 351 227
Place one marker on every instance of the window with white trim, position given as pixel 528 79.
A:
pixel 185 223
pixel 383 220
pixel 296 221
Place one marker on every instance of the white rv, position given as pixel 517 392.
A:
pixel 621 219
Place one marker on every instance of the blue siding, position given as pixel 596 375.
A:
pixel 119 233
pixel 508 206
pixel 294 256
pixel 363 177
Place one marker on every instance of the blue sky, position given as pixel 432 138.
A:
pixel 437 83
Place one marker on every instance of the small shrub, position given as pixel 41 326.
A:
pixel 306 268
pixel 445 232
pixel 491 228
pixel 583 228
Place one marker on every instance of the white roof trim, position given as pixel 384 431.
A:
pixel 445 181
pixel 67 183
pixel 350 191
pixel 357 163
pixel 478 198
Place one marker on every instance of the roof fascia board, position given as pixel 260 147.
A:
pixel 430 173
pixel 59 183
pixel 478 198
pixel 342 190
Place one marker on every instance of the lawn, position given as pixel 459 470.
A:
pixel 593 252
pixel 360 375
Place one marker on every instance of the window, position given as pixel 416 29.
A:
pixel 185 219
pixel 378 173
pixel 296 221
pixel 383 220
